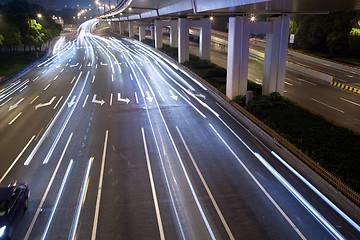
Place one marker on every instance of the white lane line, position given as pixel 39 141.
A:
pixel 67 64
pixel 96 65
pixel 81 200
pixel 287 83
pixel 153 190
pixel 80 66
pixel 23 88
pixel 162 98
pixel 12 121
pixel 35 79
pixel 141 64
pixel 61 190
pixel 131 77
pixel 97 208
pixel 87 96
pixel 149 75
pixel 44 71
pixel 55 77
pixel 47 190
pixel 5 102
pixel 73 79
pixel 259 185
pixel 136 97
pixel 62 70
pixel 351 76
pixel 226 226
pixel 302 80
pixel 112 78
pixel 93 79
pixel 292 80
pixel 58 102
pixel 340 80
pixel 16 159
pixel 47 87
pixel 328 105
pixel 111 99
pixel 346 100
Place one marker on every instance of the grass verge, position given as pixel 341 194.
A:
pixel 14 63
pixel 335 148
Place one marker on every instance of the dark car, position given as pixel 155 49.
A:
pixel 14 200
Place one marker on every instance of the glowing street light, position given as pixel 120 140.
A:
pixel 39 15
pixel 252 19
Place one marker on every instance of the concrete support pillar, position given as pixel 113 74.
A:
pixel 205 39
pixel 121 28
pixel 183 40
pixel 141 33
pixel 238 56
pixel 173 33
pixel 152 32
pixel 158 34
pixel 112 26
pixel 275 56
pixel 131 29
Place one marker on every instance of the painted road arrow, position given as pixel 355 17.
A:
pixel 200 95
pixel 45 104
pixel 173 96
pixel 101 102
pixel 72 102
pixel 123 99
pixel 15 105
pixel 149 98
pixel 103 64
pixel 74 65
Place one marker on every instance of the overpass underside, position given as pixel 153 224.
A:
pixel 181 15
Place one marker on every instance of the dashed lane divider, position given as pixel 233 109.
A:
pixel 343 86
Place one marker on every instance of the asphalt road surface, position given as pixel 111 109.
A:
pixel 116 142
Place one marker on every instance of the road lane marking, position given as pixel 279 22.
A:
pixel 5 102
pixel 34 100
pixel 346 100
pixel 303 80
pixel 51 123
pixel 350 76
pixel 111 99
pixel 23 88
pixel 162 98
pixel 328 105
pixel 153 190
pixel 73 79
pixel 16 159
pixel 61 190
pixel 98 198
pixel 58 102
pixel 87 96
pixel 45 104
pixel 12 107
pixel 226 226
pixel 112 78
pixel 136 98
pixel 80 66
pixel 131 77
pixel 81 200
pixel 47 189
pixel 259 185
pixel 287 83
pixel 96 66
pixel 55 77
pixel 12 121
pixel 47 87
pixel 44 71
pixel 93 79
pixel 35 79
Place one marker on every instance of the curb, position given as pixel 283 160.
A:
pixel 345 87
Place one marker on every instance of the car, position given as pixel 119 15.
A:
pixel 14 200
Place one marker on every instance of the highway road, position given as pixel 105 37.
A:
pixel 117 142
pixel 339 106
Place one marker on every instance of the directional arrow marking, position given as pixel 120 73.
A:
pixel 101 102
pixel 149 98
pixel 173 96
pixel 15 105
pixel 103 64
pixel 45 104
pixel 123 99
pixel 72 102
pixel 74 65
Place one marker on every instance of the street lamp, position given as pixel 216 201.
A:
pixel 39 15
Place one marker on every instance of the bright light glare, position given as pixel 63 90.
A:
pixel 2 230
pixel 39 15
pixel 252 19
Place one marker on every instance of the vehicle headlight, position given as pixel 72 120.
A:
pixel 2 230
